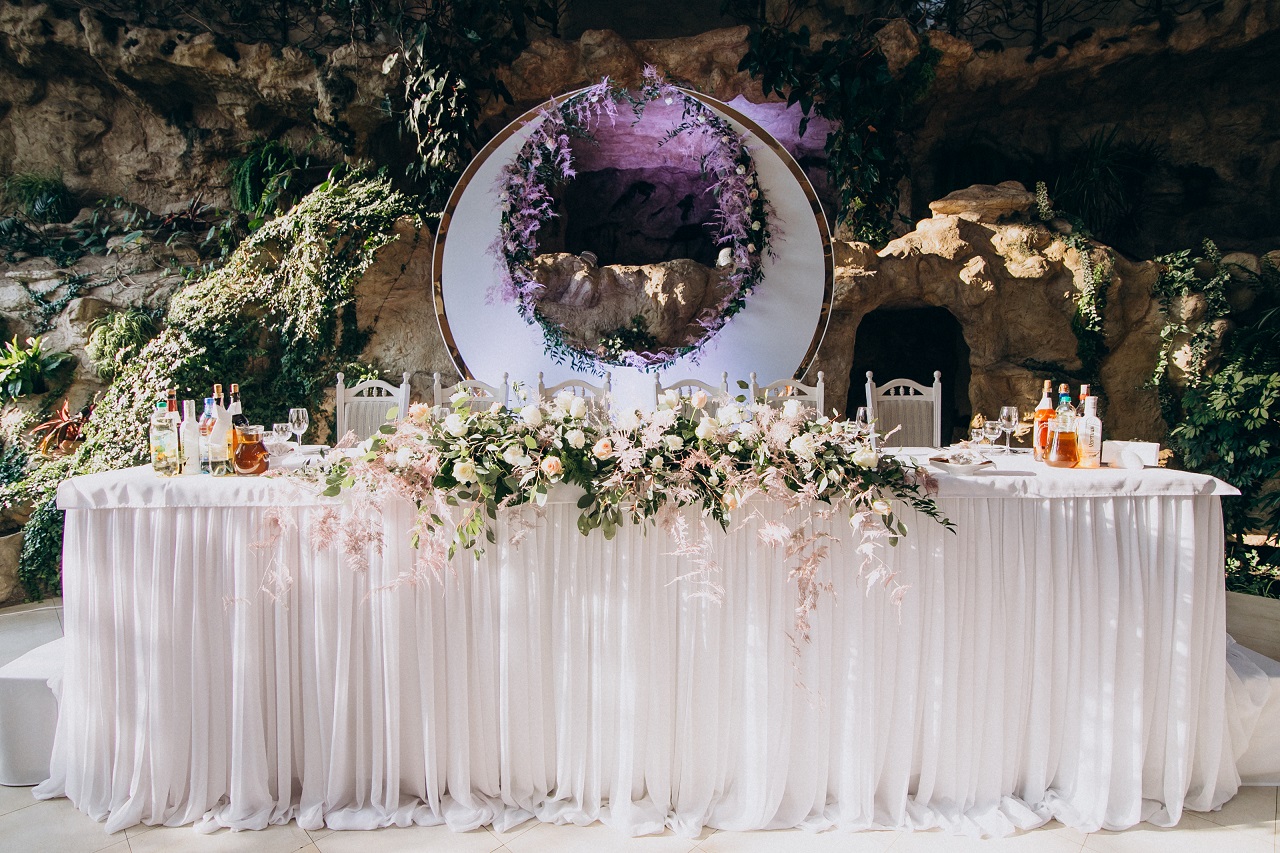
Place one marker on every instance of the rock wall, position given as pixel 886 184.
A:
pixel 155 115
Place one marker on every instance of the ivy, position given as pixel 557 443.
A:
pixel 278 319
pixel 1225 419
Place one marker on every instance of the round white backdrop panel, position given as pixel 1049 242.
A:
pixel 775 335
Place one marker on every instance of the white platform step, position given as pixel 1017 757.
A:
pixel 28 714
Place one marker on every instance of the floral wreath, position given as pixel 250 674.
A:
pixel 741 218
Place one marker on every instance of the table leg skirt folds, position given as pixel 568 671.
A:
pixel 1058 658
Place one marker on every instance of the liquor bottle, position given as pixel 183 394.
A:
pixel 1089 435
pixel 219 461
pixel 238 420
pixel 189 438
pixel 1043 414
pixel 164 441
pixel 207 418
pixel 1063 451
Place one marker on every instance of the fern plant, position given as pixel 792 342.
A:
pixel 261 178
pixel 43 198
pixel 114 339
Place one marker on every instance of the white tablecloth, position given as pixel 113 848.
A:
pixel 1061 655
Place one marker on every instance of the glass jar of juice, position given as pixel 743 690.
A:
pixel 1064 450
pixel 251 453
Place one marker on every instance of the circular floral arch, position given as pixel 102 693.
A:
pixel 742 219
pixel 775 334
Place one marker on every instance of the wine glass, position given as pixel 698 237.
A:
pixel 975 435
pixel 862 419
pixel 991 431
pixel 281 432
pixel 298 423
pixel 1008 423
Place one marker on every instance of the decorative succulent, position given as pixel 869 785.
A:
pixel 59 434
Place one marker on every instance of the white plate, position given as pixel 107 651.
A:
pixel 313 449
pixel 958 469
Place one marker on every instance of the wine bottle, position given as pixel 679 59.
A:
pixel 1089 435
pixel 238 420
pixel 1043 414
pixel 164 441
pixel 219 461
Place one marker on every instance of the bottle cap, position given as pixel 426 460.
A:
pixel 208 401
pixel 162 405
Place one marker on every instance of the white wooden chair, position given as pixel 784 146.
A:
pixel 914 408
pixel 776 394
pixel 480 395
pixel 686 388
pixel 363 407
pixel 597 396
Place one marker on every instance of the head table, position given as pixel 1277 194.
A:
pixel 1061 654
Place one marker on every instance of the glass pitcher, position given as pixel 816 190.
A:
pixel 251 453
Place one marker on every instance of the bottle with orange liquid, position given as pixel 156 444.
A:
pixel 1043 414
pixel 1064 451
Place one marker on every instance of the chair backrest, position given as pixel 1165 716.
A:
pixel 597 396
pixel 480 395
pixel 363 407
pixel 776 394
pixel 686 388
pixel 914 408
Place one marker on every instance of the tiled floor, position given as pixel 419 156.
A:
pixel 1247 824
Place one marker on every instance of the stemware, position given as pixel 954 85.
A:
pixel 298 423
pixel 991 431
pixel 1008 423
pixel 281 432
pixel 975 435
pixel 862 419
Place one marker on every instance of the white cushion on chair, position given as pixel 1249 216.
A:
pixel 29 714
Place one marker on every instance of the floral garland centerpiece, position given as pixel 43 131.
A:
pixel 742 217
pixel 460 470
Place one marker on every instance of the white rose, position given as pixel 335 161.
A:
pixel 458 396
pixel 792 409
pixel 699 399
pixel 515 457
pixel 552 467
pixel 669 399
pixel 734 447
pixel 602 449
pixel 881 507
pixel 578 407
pixel 576 438
pixel 706 429
pixel 563 401
pixel 495 408
pixel 755 226
pixel 741 170
pixel 674 443
pixel 866 458
pixel 403 457
pixel 725 258
pixel 751 248
pixel 729 415
pixel 456 425
pixel 749 432
pixel 464 471
pixel 532 416
pixel 802 446
pixel 731 501
pixel 628 420
pixel 658 462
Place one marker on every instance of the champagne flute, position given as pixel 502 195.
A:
pixel 1008 423
pixel 991 431
pixel 298 423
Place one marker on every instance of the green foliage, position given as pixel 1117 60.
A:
pixel 1088 324
pixel 27 370
pixel 1226 420
pixel 43 198
pixel 277 318
pixel 1104 183
pixel 116 338
pixel 449 56
pixel 846 80
pixel 261 179
pixel 629 339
